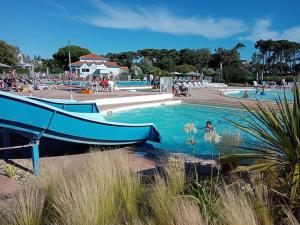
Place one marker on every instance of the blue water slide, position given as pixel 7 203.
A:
pixel 69 105
pixel 37 120
pixel 42 120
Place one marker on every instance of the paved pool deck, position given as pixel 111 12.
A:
pixel 213 97
pixel 136 162
pixel 65 92
pixel 204 96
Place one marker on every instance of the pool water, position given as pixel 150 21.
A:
pixel 170 120
pixel 269 95
pixel 133 83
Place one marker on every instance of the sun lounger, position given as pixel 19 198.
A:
pixel 256 84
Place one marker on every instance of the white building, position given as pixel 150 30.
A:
pixel 95 65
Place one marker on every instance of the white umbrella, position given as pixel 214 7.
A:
pixel 4 65
pixel 175 73
pixel 193 73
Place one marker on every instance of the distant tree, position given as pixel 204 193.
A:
pixel 146 65
pixel 123 58
pixel 53 65
pixel 202 57
pixel 166 63
pixel 27 59
pixel 42 68
pixel 156 71
pixel 187 56
pixel 62 55
pixel 228 57
pixel 185 68
pixel 136 72
pixel 239 47
pixel 279 55
pixel 149 53
pixel 236 74
pixel 208 71
pixel 257 62
pixel 196 57
pixel 8 54
pixel 262 47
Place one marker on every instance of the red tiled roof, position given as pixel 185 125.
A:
pixel 92 56
pixel 124 68
pixel 111 64
pixel 77 63
pixel 108 64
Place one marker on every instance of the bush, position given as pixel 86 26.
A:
pixel 234 74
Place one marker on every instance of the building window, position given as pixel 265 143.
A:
pixel 85 70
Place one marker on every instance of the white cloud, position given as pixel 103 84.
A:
pixel 161 20
pixel 262 30
pixel 292 34
pixel 56 5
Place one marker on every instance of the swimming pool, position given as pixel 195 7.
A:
pixel 132 83
pixel 269 95
pixel 170 120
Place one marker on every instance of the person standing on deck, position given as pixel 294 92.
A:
pixel 151 79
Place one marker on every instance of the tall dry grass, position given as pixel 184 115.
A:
pixel 106 191
pixel 27 208
pixel 236 208
pixel 230 143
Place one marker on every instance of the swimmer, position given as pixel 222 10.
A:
pixel 263 91
pixel 209 127
pixel 246 94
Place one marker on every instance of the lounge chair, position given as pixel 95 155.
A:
pixel 256 84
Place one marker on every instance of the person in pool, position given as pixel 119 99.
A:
pixel 209 127
pixel 246 94
pixel 263 91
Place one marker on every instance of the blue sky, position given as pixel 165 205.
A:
pixel 42 26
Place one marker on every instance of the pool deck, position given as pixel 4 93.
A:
pixel 65 92
pixel 203 96
pixel 213 97
pixel 58 163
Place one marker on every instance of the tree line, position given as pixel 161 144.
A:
pixel 273 57
pixel 276 57
pixel 162 62
pixel 159 62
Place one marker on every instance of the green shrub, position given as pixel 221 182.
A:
pixel 234 74
pixel 277 132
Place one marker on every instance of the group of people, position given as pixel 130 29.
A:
pixel 257 91
pixel 181 89
pixel 103 83
pixel 11 82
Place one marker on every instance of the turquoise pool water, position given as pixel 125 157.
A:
pixel 132 83
pixel 170 120
pixel 269 95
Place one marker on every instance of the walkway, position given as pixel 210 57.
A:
pixel 64 92
pixel 8 186
pixel 57 163
pixel 211 96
